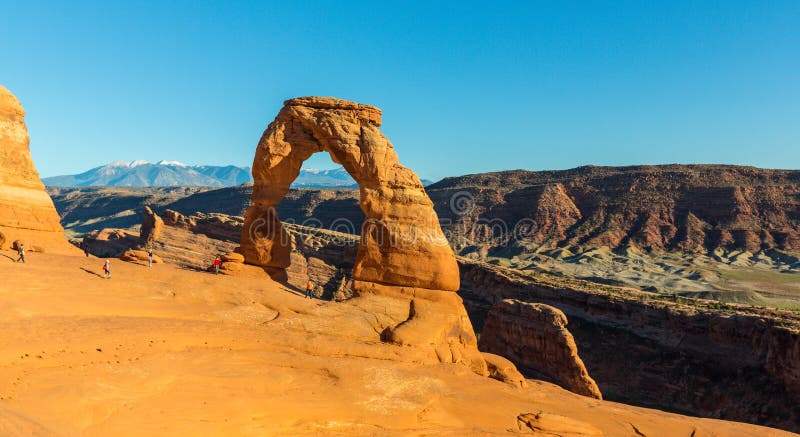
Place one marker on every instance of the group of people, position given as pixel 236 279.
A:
pixel 107 264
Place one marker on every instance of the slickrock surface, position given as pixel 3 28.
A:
pixel 535 337
pixel 26 211
pixel 165 350
pixel 401 241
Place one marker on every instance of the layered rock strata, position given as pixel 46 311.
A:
pixel 662 207
pixel 27 213
pixel 697 357
pixel 536 337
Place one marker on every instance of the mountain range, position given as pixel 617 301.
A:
pixel 141 173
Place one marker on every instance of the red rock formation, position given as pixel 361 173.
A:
pixel 214 225
pixel 665 207
pixel 139 256
pixel 401 242
pixel 700 357
pixel 501 369
pixel 27 213
pixel 151 227
pixel 110 243
pixel 535 337
pixel 402 253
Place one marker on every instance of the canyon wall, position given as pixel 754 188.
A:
pixel 535 336
pixel 695 357
pixel 664 207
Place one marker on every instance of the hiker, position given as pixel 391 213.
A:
pixel 217 262
pixel 86 249
pixel 21 252
pixel 107 269
pixel 309 289
pixel 149 257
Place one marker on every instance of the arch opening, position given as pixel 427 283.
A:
pixel 401 241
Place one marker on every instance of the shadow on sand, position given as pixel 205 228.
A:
pixel 91 272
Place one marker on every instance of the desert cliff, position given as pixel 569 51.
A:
pixel 27 214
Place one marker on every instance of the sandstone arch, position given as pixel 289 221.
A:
pixel 402 243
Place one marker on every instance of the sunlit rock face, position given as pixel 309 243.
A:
pixel 402 253
pixel 27 213
pixel 401 240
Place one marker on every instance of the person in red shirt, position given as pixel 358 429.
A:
pixel 217 262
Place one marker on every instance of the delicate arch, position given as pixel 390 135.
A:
pixel 401 240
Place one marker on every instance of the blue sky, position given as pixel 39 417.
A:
pixel 465 87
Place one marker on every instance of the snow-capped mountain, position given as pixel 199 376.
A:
pixel 141 173
pixel 334 178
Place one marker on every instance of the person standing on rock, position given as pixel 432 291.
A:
pixel 21 253
pixel 217 262
pixel 309 290
pixel 149 257
pixel 86 249
pixel 107 269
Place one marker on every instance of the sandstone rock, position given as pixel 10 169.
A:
pixel 296 273
pixel 26 211
pixel 233 257
pixel 139 255
pixel 504 370
pixel 663 354
pixel 435 319
pixel 401 241
pixel 110 243
pixel 151 227
pixel 535 337
pixel 213 225
pixel 344 291
pixel 555 213
pixel 663 207
pixel 402 253
pixel 174 218
pixel 554 424
pixel 230 267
